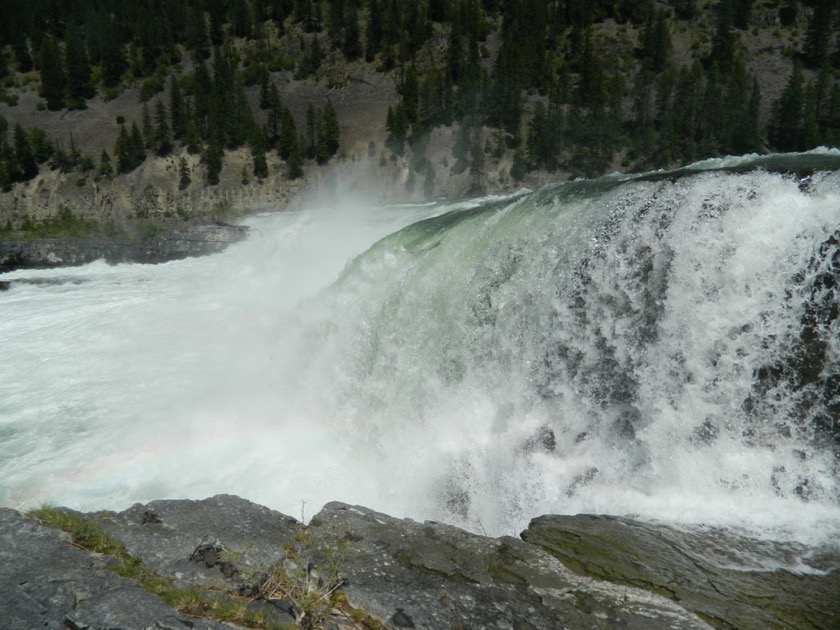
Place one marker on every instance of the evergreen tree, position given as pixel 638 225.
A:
pixel 25 166
pixel 288 137
pixel 42 146
pixel 329 128
pixel 113 59
pixel 21 49
pixel 122 150
pixel 184 179
pixel 148 131
pixel 411 93
pixel 162 136
pixel 374 31
pixel 106 168
pixel 52 74
pixel 274 115
pixel 77 64
pixel 786 127
pixel 312 129
pixel 177 113
pixel 810 128
pixel 519 166
pixel 352 42
pixel 723 44
pixel 295 160
pixel 137 146
pixel 213 159
pixel 741 13
pixel 397 126
pixel 477 159
pixel 656 42
pixel 258 147
pixel 819 33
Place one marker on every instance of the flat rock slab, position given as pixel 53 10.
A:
pixel 222 541
pixel 429 575
pixel 729 580
pixel 47 583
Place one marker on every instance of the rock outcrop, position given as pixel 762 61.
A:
pixel 406 574
pixel 44 253
pixel 729 580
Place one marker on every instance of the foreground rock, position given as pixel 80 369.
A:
pixel 403 574
pixel 46 253
pixel 729 580
pixel 46 583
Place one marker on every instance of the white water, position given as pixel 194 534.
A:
pixel 411 382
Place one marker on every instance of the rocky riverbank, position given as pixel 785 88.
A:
pixel 381 572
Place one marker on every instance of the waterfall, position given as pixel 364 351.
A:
pixel 663 346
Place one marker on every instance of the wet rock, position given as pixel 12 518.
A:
pixel 543 441
pixel 728 580
pixel 415 575
pixel 430 575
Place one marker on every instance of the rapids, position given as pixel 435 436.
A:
pixel 662 346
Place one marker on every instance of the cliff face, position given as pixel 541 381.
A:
pixel 351 567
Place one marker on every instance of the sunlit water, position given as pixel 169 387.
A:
pixel 422 374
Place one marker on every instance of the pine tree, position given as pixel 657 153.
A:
pixel 77 64
pixel 137 148
pixel 787 124
pixel 329 128
pixel 113 60
pixel 184 179
pixel 819 33
pixel 274 115
pixel 374 31
pixel 25 166
pixel 397 126
pixel 106 168
pixel 312 129
pixel 411 93
pixel 42 145
pixel 352 42
pixel 295 160
pixel 177 113
pixel 213 159
pixel 162 136
pixel 477 159
pixel 723 44
pixel 53 80
pixel 122 150
pixel 288 137
pixel 656 42
pixel 258 155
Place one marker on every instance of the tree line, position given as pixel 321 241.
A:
pixel 538 73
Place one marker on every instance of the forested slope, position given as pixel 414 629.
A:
pixel 569 87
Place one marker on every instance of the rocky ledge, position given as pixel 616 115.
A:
pixel 363 569
pixel 197 240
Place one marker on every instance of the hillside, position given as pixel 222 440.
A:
pixel 138 118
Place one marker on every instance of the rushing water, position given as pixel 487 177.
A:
pixel 665 347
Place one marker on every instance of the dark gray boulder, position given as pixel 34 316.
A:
pixel 729 580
